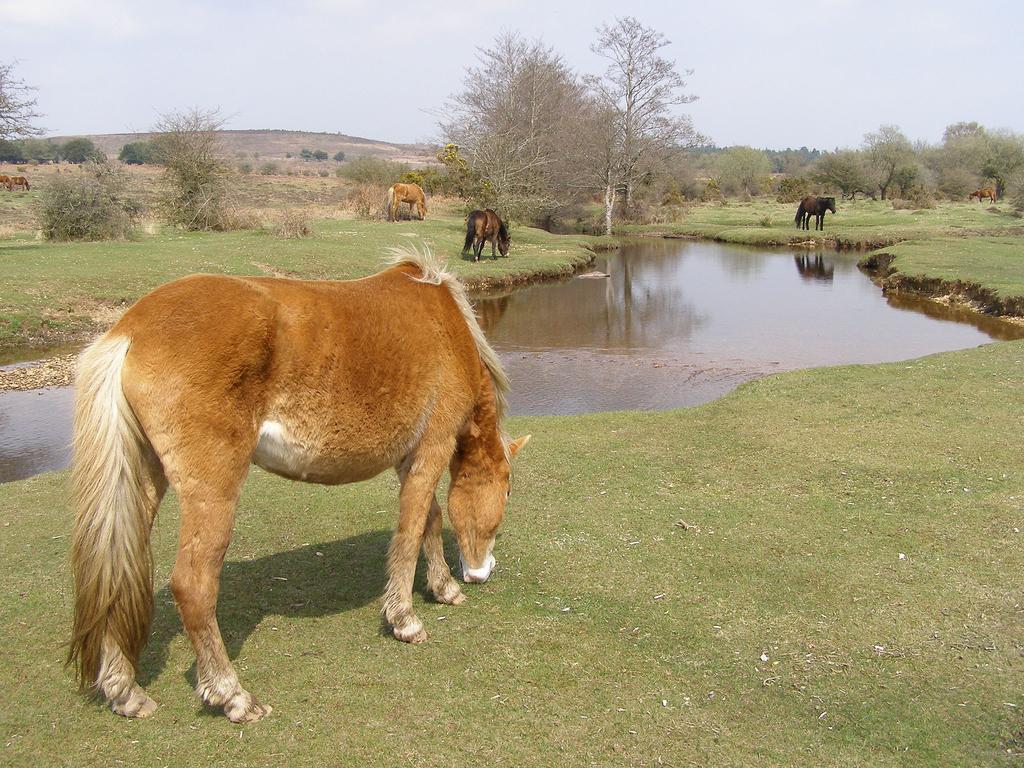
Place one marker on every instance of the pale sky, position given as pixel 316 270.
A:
pixel 766 74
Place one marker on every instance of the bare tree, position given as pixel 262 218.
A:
pixel 17 106
pixel 197 179
pixel 513 123
pixel 641 88
pixel 888 150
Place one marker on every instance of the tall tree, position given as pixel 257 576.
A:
pixel 641 88
pixel 888 150
pixel 17 106
pixel 513 124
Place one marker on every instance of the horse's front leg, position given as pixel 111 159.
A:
pixel 494 252
pixel 420 473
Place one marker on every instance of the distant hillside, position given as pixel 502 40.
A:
pixel 274 145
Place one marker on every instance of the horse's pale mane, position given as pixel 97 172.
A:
pixel 432 271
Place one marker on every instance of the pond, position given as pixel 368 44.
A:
pixel 674 323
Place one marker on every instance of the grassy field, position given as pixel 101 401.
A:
pixel 864 223
pixel 55 292
pixel 997 263
pixel 848 592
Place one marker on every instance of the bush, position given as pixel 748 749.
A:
pixel 1017 202
pixel 245 168
pixel 268 169
pixel 292 224
pixel 319 154
pixel 711 191
pixel 367 201
pixel 339 157
pixel 93 205
pixel 373 170
pixel 766 220
pixel 793 189
pixel 81 151
pixel 136 153
pixel 198 184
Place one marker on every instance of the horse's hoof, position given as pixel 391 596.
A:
pixel 246 709
pixel 411 631
pixel 450 594
pixel 138 704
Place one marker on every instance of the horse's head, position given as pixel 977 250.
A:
pixel 503 243
pixel 830 203
pixel 481 473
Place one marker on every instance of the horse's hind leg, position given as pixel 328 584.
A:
pixel 207 515
pixel 420 473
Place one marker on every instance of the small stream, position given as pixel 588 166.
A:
pixel 674 323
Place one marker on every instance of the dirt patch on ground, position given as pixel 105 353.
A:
pixel 54 372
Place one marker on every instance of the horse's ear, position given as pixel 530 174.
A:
pixel 517 445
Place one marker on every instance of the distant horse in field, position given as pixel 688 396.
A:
pixel 981 194
pixel 406 193
pixel 484 226
pixel 5 181
pixel 17 181
pixel 814 206
pixel 323 381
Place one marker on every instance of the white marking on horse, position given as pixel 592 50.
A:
pixel 279 451
pixel 478 575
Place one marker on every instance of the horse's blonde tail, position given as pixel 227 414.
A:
pixel 110 552
pixel 391 203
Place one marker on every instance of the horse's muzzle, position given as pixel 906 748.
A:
pixel 478 575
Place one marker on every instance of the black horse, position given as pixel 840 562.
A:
pixel 814 206
pixel 482 226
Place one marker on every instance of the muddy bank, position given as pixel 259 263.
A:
pixel 962 293
pixel 52 372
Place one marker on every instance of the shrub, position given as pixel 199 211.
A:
pixel 711 191
pixel 245 168
pixel 765 221
pixel 793 189
pixel 197 183
pixel 319 154
pixel 367 201
pixel 373 170
pixel 323 174
pixel 1017 202
pixel 136 153
pixel 236 217
pixel 80 151
pixel 292 223
pixel 339 157
pixel 96 204
pixel 268 169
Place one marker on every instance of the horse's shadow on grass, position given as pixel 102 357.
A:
pixel 313 580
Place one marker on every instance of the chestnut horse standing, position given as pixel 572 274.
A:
pixel 327 382
pixel 816 207
pixel 17 181
pixel 484 226
pixel 981 194
pixel 406 193
pixel 5 181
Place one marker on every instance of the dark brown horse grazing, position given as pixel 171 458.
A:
pixel 981 194
pixel 406 193
pixel 482 226
pixel 814 206
pixel 17 181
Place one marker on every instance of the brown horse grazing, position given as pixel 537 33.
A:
pixel 5 181
pixel 814 206
pixel 484 226
pixel 406 193
pixel 327 382
pixel 17 181
pixel 981 194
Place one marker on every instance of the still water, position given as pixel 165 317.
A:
pixel 680 323
pixel 675 323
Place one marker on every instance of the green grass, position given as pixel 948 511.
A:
pixel 52 291
pixel 609 635
pixel 862 223
pixel 997 263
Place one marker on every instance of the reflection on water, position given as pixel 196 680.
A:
pixel 35 432
pixel 675 323
pixel 680 323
